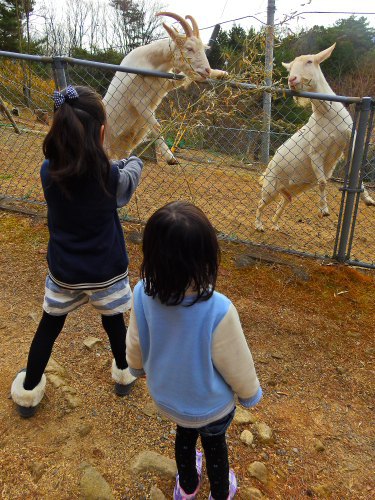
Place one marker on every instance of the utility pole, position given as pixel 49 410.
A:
pixel 267 96
pixel 213 38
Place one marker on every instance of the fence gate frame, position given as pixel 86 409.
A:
pixel 352 188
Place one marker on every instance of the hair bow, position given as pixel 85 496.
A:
pixel 69 94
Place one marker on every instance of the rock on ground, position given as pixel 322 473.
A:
pixel 148 461
pixel 156 494
pixel 93 486
pixel 265 434
pixel 259 471
pixel 243 417
pixel 247 437
pixel 251 494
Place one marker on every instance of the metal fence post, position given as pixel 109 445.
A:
pixel 353 187
pixel 58 68
pixel 267 95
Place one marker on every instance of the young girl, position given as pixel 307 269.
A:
pixel 87 258
pixel 187 339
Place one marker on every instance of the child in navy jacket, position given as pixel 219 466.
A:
pixel 87 257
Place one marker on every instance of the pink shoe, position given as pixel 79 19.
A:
pixel 232 485
pixel 178 493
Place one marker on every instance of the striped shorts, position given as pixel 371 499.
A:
pixel 108 301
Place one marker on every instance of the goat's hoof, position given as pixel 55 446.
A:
pixel 370 203
pixel 259 228
pixel 173 161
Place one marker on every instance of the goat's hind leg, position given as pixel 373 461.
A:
pixel 118 148
pixel 317 164
pixel 285 200
pixel 268 195
pixel 160 144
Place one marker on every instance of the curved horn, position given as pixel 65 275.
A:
pixel 195 26
pixel 181 20
pixel 173 33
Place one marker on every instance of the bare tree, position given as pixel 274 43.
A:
pixel 24 10
pixel 135 22
pixel 96 25
pixel 52 30
pixel 77 21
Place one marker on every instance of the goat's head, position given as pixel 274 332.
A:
pixel 189 55
pixel 305 72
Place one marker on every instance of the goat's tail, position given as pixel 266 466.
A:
pixel 286 194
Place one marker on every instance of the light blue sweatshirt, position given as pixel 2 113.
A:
pixel 195 358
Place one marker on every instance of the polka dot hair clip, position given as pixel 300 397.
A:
pixel 59 98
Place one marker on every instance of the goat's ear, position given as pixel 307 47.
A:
pixel 171 32
pixel 286 65
pixel 324 54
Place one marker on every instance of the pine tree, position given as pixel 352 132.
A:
pixel 9 26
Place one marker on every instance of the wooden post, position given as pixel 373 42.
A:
pixel 5 110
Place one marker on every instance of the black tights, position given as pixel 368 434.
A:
pixel 49 329
pixel 216 453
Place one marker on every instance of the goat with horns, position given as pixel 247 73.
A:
pixel 131 99
pixel 309 157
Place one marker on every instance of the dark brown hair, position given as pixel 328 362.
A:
pixel 73 144
pixel 180 250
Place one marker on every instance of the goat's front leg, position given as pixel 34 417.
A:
pixel 317 164
pixel 258 218
pixel 160 144
pixel 218 73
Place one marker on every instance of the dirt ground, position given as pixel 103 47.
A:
pixel 310 326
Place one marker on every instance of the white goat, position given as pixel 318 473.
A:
pixel 308 157
pixel 131 99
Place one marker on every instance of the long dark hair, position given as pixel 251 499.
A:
pixel 180 251
pixel 73 144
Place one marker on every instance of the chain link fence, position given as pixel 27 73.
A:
pixel 214 131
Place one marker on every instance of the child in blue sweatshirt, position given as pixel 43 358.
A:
pixel 187 339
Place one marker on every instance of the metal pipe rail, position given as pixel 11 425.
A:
pixel 93 64
pixel 173 76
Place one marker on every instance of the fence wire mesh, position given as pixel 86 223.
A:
pixel 205 147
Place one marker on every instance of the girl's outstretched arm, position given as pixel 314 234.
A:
pixel 129 176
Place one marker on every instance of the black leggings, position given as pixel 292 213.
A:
pixel 216 453
pixel 49 329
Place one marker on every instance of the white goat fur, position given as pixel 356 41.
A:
pixel 131 100
pixel 308 157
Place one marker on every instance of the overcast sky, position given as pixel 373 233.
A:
pixel 210 12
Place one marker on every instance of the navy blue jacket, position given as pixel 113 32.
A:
pixel 86 248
